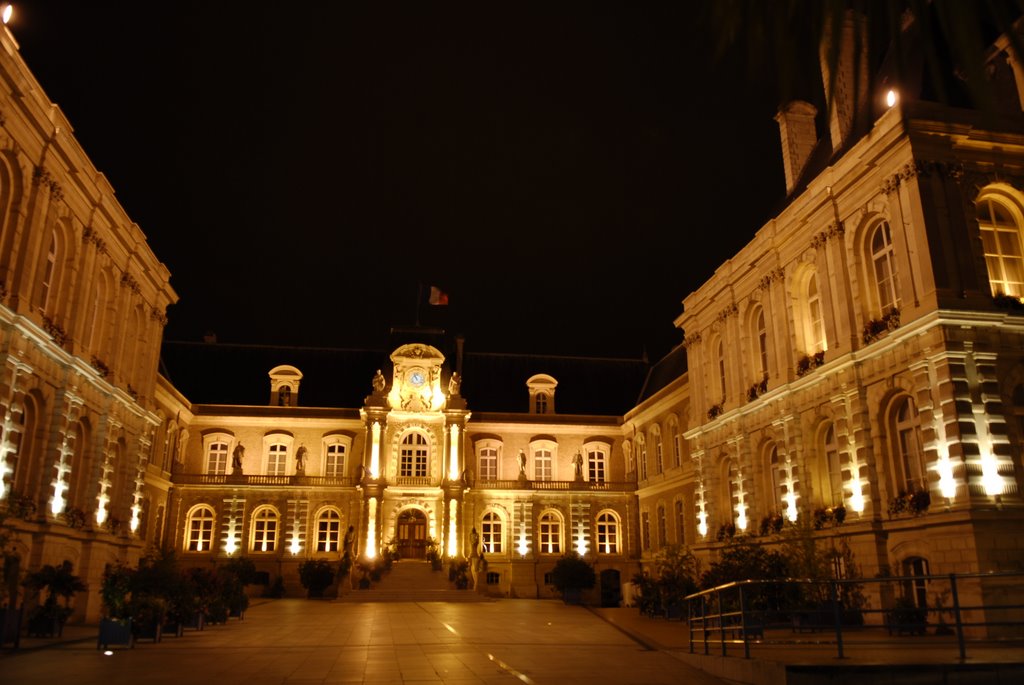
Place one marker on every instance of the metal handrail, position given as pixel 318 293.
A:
pixel 723 614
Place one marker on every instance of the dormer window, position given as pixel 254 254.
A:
pixel 284 386
pixel 542 394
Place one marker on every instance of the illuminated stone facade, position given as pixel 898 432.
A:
pixel 81 320
pixel 857 365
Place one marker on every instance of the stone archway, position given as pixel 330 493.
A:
pixel 411 534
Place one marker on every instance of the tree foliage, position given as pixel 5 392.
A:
pixel 572 572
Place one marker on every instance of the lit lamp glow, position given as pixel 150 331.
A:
pixel 6 13
pixel 702 523
pixel 522 547
pixel 990 478
pixel 5 470
pixel 371 528
pixel 101 507
pixel 947 484
pixel 453 466
pixel 296 545
pixel 890 98
pixel 453 518
pixel 741 516
pixel 133 524
pixel 375 450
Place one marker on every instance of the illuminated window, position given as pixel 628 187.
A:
pixel 550 533
pixel 645 530
pixel 883 264
pixel 328 531
pixel 277 460
pixel 721 368
pixel 488 468
pixel 607 533
pixel 641 456
pixel 815 320
pixel 264 530
pixel 908 468
pixel 542 465
pixel 413 456
pixel 334 463
pixel 760 333
pixel 1001 241
pixel 217 458
pixel 200 529
pixel 491 532
pixel 659 450
pixel 596 465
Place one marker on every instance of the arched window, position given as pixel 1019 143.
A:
pixel 815 323
pixel 641 456
pixel 217 458
pixel 760 335
pixel 720 353
pixel 1001 241
pixel 830 468
pixel 413 455
pixel 277 459
pixel 677 441
pixel 284 396
pixel 607 533
pixel 264 530
pixel 915 588
pixel 550 533
pixel 627 452
pixel 883 265
pixel 659 450
pixel 680 522
pixel 48 275
pixel 491 532
pixel 908 467
pixel 645 530
pixel 328 530
pixel 199 529
pixel 662 527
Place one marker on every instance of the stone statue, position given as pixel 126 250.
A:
pixel 300 459
pixel 236 458
pixel 522 464
pixel 577 462
pixel 454 384
pixel 349 545
pixel 379 382
pixel 474 538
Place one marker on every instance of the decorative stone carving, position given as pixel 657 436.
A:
pixel 728 311
pixel 776 274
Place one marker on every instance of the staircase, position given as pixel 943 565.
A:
pixel 411 580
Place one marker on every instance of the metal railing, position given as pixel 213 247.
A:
pixel 560 485
pixel 979 607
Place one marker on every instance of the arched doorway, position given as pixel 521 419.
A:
pixel 611 588
pixel 411 534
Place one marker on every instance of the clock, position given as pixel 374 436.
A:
pixel 416 378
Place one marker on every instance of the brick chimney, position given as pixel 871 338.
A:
pixel 850 86
pixel 796 127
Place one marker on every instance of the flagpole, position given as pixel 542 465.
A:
pixel 419 300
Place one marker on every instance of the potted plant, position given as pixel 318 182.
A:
pixel 316 575
pixel 571 576
pixel 116 625
pixel 906 617
pixel 55 581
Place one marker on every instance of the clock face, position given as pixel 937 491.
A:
pixel 416 378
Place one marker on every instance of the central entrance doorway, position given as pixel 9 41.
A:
pixel 412 534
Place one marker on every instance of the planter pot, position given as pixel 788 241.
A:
pixel 150 630
pixel 10 626
pixel 115 632
pixel 173 629
pixel 45 625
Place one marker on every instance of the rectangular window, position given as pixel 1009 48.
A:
pixel 264 534
pixel 334 467
pixel 489 464
pixel 679 449
pixel 645 530
pixel 680 523
pixel 550 536
pixel 542 465
pixel 277 460
pixel 217 459
pixel 493 578
pixel 662 528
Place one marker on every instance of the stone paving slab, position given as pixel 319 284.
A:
pixel 299 642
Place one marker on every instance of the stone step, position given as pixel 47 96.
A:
pixel 376 595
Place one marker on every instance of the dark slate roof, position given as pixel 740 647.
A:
pixel 232 374
pixel 665 370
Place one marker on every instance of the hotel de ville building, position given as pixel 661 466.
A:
pixel 863 354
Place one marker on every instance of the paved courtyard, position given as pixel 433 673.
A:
pixel 301 643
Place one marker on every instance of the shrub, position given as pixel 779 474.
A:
pixel 316 575
pixel 572 572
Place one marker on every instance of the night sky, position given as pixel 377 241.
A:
pixel 566 173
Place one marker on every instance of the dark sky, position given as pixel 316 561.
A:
pixel 567 173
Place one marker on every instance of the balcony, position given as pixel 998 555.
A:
pixel 260 480
pixel 557 485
